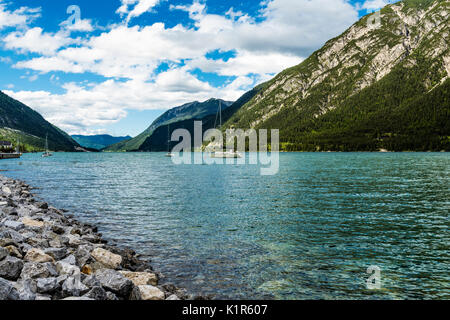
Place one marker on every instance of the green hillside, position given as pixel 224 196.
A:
pixel 157 141
pixel 193 110
pixel 17 121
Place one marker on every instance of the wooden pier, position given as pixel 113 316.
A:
pixel 10 156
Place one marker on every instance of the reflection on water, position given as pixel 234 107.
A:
pixel 309 232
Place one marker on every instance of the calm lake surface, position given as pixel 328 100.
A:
pixel 309 232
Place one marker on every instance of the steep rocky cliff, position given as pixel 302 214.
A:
pixel 375 86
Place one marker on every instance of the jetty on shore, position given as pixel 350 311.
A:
pixel 10 156
pixel 7 150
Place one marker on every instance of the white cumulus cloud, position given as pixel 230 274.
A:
pixel 17 18
pixel 135 8
pixel 129 57
pixel 35 40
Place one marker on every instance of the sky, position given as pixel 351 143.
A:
pixel 113 66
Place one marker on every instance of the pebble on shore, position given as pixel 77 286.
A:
pixel 45 255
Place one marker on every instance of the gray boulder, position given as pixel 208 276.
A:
pixel 91 281
pixel 15 225
pixel 70 260
pixel 65 268
pixel 111 296
pixel 47 285
pixel 13 235
pixel 78 299
pixel 97 293
pixel 58 229
pixel 56 253
pixel 7 241
pixel 27 289
pixel 10 268
pixel 83 254
pixel 113 281
pixel 42 205
pixel 10 211
pixel 3 253
pixel 73 287
pixel 34 270
pixel 8 291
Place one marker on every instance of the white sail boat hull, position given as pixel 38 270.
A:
pixel 226 155
pixel 230 154
pixel 46 153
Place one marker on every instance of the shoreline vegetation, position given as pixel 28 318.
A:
pixel 48 255
pixel 281 151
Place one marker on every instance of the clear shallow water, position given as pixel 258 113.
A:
pixel 309 232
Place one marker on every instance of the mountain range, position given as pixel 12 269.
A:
pixel 192 110
pixel 371 88
pixel 158 140
pixel 374 87
pixel 98 141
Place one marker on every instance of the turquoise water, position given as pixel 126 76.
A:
pixel 309 232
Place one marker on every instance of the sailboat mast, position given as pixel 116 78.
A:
pixel 168 138
pixel 220 112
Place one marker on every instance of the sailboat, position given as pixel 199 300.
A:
pixel 18 153
pixel 224 154
pixel 46 153
pixel 169 154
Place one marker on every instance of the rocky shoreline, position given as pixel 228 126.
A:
pixel 46 255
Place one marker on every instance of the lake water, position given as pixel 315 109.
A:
pixel 309 232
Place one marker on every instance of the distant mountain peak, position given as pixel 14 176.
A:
pixel 99 141
pixel 191 110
